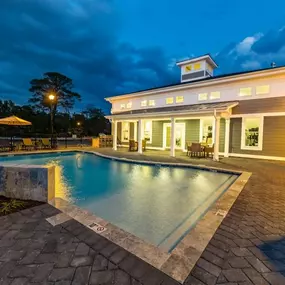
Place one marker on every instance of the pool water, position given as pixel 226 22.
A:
pixel 158 204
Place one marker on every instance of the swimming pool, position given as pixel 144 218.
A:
pixel 158 204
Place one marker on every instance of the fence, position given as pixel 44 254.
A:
pixel 62 142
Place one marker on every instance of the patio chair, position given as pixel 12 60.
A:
pixel 28 144
pixel 45 143
pixel 5 145
pixel 133 145
pixel 188 148
pixel 209 150
pixel 197 150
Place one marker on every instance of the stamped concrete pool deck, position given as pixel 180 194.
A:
pixel 247 248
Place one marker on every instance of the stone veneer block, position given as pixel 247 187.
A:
pixel 27 182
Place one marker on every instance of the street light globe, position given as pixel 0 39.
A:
pixel 51 97
pixel 78 124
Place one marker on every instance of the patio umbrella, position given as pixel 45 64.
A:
pixel 14 121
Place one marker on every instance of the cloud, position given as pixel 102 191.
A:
pixel 253 52
pixel 251 64
pixel 79 38
pixel 244 47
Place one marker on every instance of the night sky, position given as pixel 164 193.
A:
pixel 118 46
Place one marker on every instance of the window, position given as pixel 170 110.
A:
pixel 143 103
pixel 123 106
pixel 169 100
pixel 206 131
pixel 202 96
pixel 197 66
pixel 148 131
pixel 263 89
pixel 252 133
pixel 179 99
pixel 125 131
pixel 129 105
pixel 245 91
pixel 188 68
pixel 215 95
pixel 151 103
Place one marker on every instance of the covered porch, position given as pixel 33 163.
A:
pixel 173 131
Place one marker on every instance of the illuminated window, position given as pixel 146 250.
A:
pixel 252 133
pixel 151 103
pixel 197 66
pixel 169 100
pixel 188 68
pixel 125 131
pixel 179 99
pixel 123 106
pixel 148 131
pixel 263 89
pixel 144 103
pixel 245 91
pixel 215 95
pixel 129 105
pixel 202 96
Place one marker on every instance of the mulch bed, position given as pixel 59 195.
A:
pixel 27 204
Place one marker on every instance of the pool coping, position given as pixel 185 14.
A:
pixel 179 263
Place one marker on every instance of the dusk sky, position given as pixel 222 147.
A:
pixel 118 46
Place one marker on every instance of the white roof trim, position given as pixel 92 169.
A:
pixel 195 59
pixel 184 86
pixel 171 113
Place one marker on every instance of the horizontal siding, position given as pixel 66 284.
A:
pixel 119 130
pixel 222 135
pixel 192 131
pixel 273 137
pixel 132 131
pixel 265 105
pixel 157 134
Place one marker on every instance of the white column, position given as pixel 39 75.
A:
pixel 227 137
pixel 136 131
pixel 115 134
pixel 172 139
pixel 217 139
pixel 140 150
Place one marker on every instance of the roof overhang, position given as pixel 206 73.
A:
pixel 197 110
pixel 244 76
pixel 206 57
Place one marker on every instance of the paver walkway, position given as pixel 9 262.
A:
pixel 248 248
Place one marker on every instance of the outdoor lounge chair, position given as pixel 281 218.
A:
pixel 28 144
pixel 196 150
pixel 45 143
pixel 133 145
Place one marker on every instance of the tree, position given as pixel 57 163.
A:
pixel 95 122
pixel 53 83
pixel 57 84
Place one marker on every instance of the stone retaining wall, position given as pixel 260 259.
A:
pixel 27 182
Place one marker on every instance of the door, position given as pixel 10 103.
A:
pixel 179 135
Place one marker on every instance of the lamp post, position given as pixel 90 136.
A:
pixel 51 98
pixel 79 130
